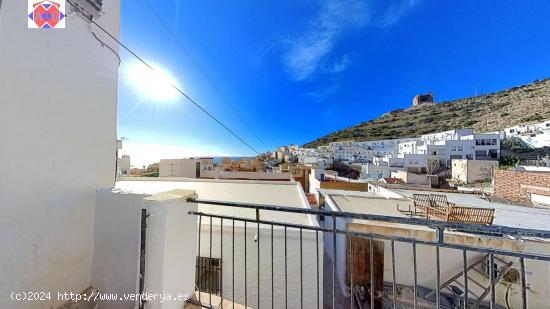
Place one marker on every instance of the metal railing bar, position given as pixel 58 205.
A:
pixel 437 278
pixel 210 266
pixel 245 272
pixel 530 256
pixel 334 257
pixel 415 276
pixel 394 289
pixel 317 260
pixel 301 274
pixel 272 274
pixel 371 259
pixel 465 274
pixel 221 260
pixel 233 266
pixel 286 274
pixel 352 269
pixel 468 227
pixel 523 283
pixel 492 278
pixel 258 249
pixel 199 255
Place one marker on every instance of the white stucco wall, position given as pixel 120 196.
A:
pixel 124 162
pixel 178 168
pixel 245 175
pixel 170 248
pixel 314 183
pixel 469 171
pixel 117 230
pixel 340 250
pixel 169 254
pixel 383 191
pixel 309 265
pixel 57 136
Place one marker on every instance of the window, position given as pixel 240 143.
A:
pixel 208 275
pixel 460 148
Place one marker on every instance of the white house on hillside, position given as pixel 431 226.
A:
pixel 536 134
pixel 190 168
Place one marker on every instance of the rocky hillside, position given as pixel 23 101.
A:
pixel 483 113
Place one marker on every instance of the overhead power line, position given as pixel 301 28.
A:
pixel 203 71
pixel 204 110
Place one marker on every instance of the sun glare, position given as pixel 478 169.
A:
pixel 154 84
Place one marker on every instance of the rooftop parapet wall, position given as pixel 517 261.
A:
pixel 518 186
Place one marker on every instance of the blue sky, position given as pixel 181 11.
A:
pixel 296 70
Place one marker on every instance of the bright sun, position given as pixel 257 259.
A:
pixel 154 84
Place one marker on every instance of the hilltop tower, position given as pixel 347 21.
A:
pixel 423 99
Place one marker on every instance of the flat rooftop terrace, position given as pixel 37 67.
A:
pixel 505 214
pixel 275 193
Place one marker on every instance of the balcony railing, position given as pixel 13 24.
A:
pixel 283 266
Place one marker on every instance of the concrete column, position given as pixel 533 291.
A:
pixel 170 249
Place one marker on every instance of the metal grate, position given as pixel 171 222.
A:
pixel 208 275
pixel 255 264
pixel 90 8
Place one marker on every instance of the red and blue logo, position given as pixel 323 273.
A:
pixel 46 14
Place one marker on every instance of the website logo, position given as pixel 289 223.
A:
pixel 44 14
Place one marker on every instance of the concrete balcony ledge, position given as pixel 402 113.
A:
pixel 217 302
pixel 177 194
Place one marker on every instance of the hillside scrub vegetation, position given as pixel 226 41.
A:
pixel 484 113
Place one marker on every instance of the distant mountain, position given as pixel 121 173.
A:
pixel 483 113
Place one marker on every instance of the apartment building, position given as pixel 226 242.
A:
pixel 535 134
pixel 190 168
pixel 123 165
pixel 408 153
pixel 487 146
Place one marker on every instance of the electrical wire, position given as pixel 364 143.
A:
pixel 507 298
pixel 201 69
pixel 103 44
pixel 204 110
